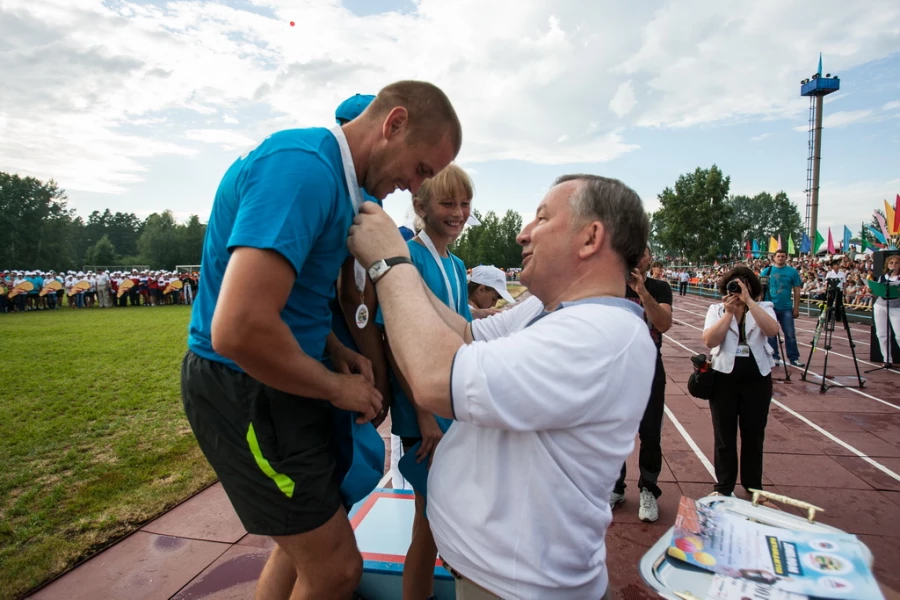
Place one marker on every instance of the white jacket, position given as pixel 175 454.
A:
pixel 722 356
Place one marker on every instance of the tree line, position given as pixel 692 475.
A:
pixel 39 231
pixel 698 220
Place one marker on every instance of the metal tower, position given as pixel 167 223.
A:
pixel 816 87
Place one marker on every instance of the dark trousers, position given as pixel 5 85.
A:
pixel 650 432
pixel 739 403
pixel 682 288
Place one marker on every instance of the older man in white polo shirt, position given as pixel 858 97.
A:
pixel 547 396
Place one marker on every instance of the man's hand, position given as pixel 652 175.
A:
pixel 431 435
pixel 796 312
pixel 374 236
pixel 636 281
pixel 357 394
pixel 349 362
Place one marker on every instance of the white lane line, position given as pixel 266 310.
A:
pixel 687 437
pixel 810 345
pixel 813 373
pixel 385 479
pixel 875 464
pixel 821 430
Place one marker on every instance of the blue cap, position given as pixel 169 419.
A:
pixel 352 107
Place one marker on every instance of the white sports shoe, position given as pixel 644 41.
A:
pixel 616 499
pixel 649 511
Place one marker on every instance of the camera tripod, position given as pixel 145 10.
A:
pixel 764 280
pixel 832 310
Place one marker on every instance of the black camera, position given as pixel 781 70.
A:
pixel 733 287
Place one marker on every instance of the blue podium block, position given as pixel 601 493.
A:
pixel 382 522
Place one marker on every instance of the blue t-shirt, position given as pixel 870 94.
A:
pixel 781 282
pixel 289 195
pixel 403 414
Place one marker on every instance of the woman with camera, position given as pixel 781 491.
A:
pixel 737 330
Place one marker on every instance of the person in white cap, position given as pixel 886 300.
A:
pixel 487 285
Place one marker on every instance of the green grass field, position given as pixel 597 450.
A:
pixel 95 441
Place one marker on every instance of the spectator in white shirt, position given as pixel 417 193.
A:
pixel 103 288
pixel 547 396
pixel 834 273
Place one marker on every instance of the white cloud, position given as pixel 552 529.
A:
pixel 841 118
pixel 760 137
pixel 891 105
pixel 623 100
pixel 90 102
pixel 849 204
pixel 226 138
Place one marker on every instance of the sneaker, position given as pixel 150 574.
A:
pixel 616 499
pixel 797 363
pixel 649 511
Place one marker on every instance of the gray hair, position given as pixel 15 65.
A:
pixel 615 205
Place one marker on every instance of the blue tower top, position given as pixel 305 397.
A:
pixel 819 85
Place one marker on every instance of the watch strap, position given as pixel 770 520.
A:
pixel 388 264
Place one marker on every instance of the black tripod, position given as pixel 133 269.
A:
pixel 764 280
pixel 832 310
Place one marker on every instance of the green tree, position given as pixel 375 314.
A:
pixel 35 224
pixel 102 253
pixel 762 216
pixel 510 227
pixel 158 244
pixel 695 214
pixel 191 244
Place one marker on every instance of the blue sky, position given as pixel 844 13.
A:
pixel 141 106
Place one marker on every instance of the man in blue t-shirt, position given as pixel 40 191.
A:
pixel 255 391
pixel 783 290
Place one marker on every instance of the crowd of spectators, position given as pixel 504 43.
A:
pixel 853 273
pixel 51 290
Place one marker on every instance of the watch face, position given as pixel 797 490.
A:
pixel 377 270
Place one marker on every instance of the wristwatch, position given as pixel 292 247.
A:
pixel 380 268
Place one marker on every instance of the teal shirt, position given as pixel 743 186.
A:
pixel 403 414
pixel 288 195
pixel 781 281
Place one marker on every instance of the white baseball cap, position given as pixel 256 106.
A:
pixel 493 278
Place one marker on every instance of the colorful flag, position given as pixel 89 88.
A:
pixel 780 245
pixel 845 244
pixel 830 243
pixel 747 250
pixel 889 214
pixel 773 244
pixel 878 235
pixel 805 244
pixel 889 218
pixel 755 248
pixel 897 214
pixel 790 247
pixel 819 240
pixel 883 225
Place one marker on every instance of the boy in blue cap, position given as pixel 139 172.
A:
pixel 255 391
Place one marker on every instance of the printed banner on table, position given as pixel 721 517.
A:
pixel 824 565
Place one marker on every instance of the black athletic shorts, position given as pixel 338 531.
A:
pixel 270 449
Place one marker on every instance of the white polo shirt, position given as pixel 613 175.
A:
pixel 518 494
